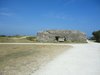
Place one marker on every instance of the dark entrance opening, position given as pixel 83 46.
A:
pixel 60 39
pixel 57 38
pixel 64 38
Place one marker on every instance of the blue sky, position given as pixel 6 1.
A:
pixel 27 17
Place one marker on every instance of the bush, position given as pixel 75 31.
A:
pixel 31 38
pixel 96 35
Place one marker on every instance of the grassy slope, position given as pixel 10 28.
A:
pixel 25 59
pixel 12 39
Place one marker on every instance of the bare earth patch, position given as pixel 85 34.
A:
pixel 25 59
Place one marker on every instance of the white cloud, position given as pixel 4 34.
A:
pixel 6 14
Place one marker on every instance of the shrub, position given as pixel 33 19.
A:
pixel 96 35
pixel 31 38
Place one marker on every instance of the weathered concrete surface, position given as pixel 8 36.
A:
pixel 61 35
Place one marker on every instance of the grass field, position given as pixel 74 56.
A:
pixel 26 59
pixel 17 39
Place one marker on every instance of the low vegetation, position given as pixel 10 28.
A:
pixel 17 39
pixel 31 38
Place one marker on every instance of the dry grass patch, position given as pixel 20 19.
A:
pixel 15 40
pixel 25 59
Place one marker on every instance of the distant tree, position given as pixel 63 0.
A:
pixel 96 35
pixel 2 35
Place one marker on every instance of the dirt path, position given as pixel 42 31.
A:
pixel 82 59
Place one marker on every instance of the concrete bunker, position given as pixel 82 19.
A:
pixel 61 36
